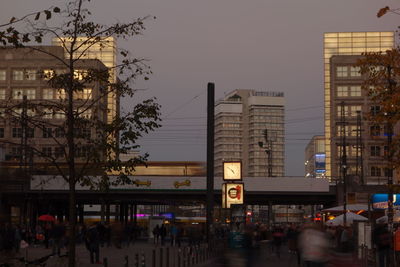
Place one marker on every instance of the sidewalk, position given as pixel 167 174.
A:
pixel 142 251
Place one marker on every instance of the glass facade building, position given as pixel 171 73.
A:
pixel 346 43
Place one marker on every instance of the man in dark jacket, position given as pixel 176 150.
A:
pixel 93 243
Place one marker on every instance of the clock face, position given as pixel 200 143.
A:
pixel 232 170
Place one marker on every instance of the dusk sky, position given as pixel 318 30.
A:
pixel 273 45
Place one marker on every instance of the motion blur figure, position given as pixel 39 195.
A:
pixel 314 246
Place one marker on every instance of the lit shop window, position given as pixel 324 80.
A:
pixel 341 71
pixel 3 75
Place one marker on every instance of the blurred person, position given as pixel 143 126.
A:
pixel 163 234
pixel 277 239
pixel 382 240
pixel 156 234
pixel 174 234
pixel 57 234
pixel 92 241
pixel 313 245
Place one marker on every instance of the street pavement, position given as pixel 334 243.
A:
pixel 145 252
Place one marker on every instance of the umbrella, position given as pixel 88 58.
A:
pixel 384 219
pixel 46 218
pixel 350 218
pixel 350 207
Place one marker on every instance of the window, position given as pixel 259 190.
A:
pixel 375 171
pixel 47 151
pixel 355 90
pixel 1 132
pixel 375 130
pixel 16 132
pixel 47 113
pixel 3 75
pixel 83 94
pixel 2 94
pixel 375 151
pixel 48 93
pixel 342 91
pixel 60 94
pixel 355 72
pixel 58 152
pixel 47 132
pixel 341 71
pixel 80 74
pixel 30 132
pixel 19 93
pixel 30 75
pixel 18 75
pixel 59 132
pixel 353 110
pixel 48 74
pixel 375 110
pixel 59 115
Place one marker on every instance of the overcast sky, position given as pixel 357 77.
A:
pixel 273 45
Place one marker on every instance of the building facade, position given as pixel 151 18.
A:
pixel 365 142
pixel 346 43
pixel 39 121
pixel 249 126
pixel 315 157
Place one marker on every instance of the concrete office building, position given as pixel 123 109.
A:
pixel 346 43
pixel 315 157
pixel 21 74
pixel 242 118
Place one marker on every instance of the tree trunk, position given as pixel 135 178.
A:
pixel 71 225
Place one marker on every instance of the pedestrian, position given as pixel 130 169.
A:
pixel 277 238
pixel 92 241
pixel 382 240
pixel 156 234
pixel 57 236
pixel 163 234
pixel 314 246
pixel 174 234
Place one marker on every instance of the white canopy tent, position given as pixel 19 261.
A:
pixel 384 219
pixel 350 218
pixel 349 207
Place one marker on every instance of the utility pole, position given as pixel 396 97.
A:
pixel 359 150
pixel 344 160
pixel 210 161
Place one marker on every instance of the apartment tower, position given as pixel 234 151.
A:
pixel 249 126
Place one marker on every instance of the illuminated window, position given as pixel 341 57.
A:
pixel 80 74
pixel 342 91
pixel 18 75
pixel 355 72
pixel 2 94
pixel 59 115
pixel 3 75
pixel 30 75
pixel 85 113
pixel 19 93
pixel 47 113
pixel 48 74
pixel 83 94
pixel 355 90
pixel 60 94
pixel 341 71
pixel 48 93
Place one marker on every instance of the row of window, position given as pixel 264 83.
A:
pixel 351 130
pixel 46 132
pixel 348 91
pixel 349 111
pixel 33 74
pixel 347 71
pixel 48 151
pixel 47 94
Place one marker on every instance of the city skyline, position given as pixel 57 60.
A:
pixel 278 47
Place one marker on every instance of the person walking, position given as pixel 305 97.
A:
pixel 93 243
pixel 57 236
pixel 163 234
pixel 156 234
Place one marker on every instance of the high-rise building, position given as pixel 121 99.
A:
pixel 346 43
pixel 315 157
pixel 106 52
pixel 40 124
pixel 249 126
pixel 365 141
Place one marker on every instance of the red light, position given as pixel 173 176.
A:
pixel 249 213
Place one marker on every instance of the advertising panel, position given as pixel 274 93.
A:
pixel 232 193
pixel 380 201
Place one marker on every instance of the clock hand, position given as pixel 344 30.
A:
pixel 231 170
